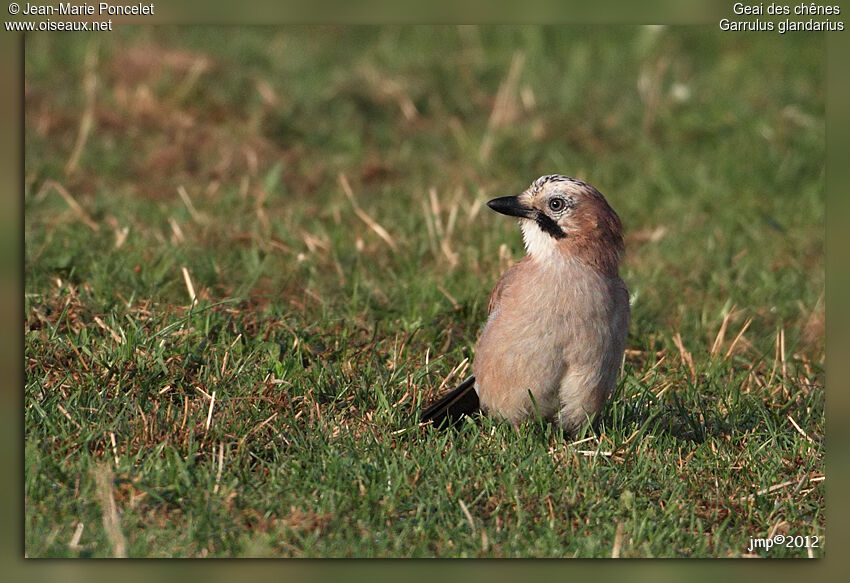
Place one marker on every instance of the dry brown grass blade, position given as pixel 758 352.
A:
pixel 190 289
pixel 111 519
pixel 198 67
pixel 454 302
pixel 430 227
pixel 618 541
pixel 446 243
pixel 74 544
pixel 467 514
pixel 474 207
pixel 227 354
pixel 721 334
pixel 87 120
pixel 75 206
pixel 220 467
pixel 505 105
pixel 210 412
pixel 405 103
pixel 68 416
pixel 372 223
pixel 456 372
pixel 184 196
pixel 438 229
pixel 114 447
pixel 685 356
pixel 176 230
pixel 737 338
pixel 112 332
pixel 780 486
pixel 435 211
pixel 254 430
pixel 650 88
pixel 800 429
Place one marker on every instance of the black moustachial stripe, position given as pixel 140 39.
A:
pixel 548 225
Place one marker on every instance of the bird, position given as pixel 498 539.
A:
pixel 553 343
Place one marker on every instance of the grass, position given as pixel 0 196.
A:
pixel 319 192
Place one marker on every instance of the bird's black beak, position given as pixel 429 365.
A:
pixel 510 205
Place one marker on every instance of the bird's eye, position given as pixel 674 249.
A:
pixel 557 204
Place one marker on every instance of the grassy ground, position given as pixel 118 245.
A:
pixel 320 191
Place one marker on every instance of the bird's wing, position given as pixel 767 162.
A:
pixel 509 276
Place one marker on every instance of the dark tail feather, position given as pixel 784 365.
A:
pixel 450 409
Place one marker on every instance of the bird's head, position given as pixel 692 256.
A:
pixel 559 214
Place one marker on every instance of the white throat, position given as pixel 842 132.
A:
pixel 538 244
